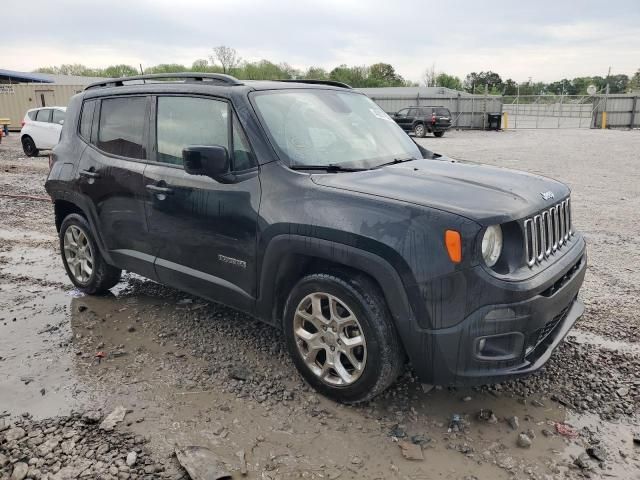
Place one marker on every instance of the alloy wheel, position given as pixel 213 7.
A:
pixel 330 339
pixel 78 254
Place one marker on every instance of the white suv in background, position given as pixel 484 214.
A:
pixel 41 129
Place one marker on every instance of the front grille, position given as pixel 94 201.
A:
pixel 547 232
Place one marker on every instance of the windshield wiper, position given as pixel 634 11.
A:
pixel 331 168
pixel 397 160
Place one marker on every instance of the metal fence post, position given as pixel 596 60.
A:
pixel 458 112
pixel 560 110
pixel 633 112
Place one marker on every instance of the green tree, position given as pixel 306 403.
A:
pixel 115 71
pixel 448 81
pixel 167 68
pixel 634 83
pixel 384 75
pixel 477 82
pixel 316 73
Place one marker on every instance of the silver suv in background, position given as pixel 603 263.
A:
pixel 41 129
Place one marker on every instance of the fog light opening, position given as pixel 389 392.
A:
pixel 505 346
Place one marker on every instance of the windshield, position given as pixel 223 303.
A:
pixel 328 127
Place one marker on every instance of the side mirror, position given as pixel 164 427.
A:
pixel 212 161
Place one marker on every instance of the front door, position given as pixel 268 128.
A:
pixel 111 177
pixel 203 232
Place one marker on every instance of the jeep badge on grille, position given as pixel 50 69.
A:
pixel 547 195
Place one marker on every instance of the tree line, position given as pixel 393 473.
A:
pixel 225 59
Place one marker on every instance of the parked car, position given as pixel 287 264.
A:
pixel 306 206
pixel 41 129
pixel 423 120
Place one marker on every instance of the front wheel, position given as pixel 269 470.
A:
pixel 419 130
pixel 439 134
pixel 82 260
pixel 29 147
pixel 339 333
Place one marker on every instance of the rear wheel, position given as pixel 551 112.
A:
pixel 419 130
pixel 82 260
pixel 340 336
pixel 439 134
pixel 29 146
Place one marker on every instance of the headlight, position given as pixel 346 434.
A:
pixel 492 245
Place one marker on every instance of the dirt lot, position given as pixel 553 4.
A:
pixel 190 372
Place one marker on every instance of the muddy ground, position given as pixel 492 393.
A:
pixel 189 372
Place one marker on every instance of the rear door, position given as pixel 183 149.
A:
pixel 443 117
pixel 41 129
pixel 203 232
pixel 111 177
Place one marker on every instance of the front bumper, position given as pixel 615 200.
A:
pixel 519 336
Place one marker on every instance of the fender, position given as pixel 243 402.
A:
pixel 89 213
pixel 378 268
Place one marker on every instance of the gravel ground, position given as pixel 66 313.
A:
pixel 191 372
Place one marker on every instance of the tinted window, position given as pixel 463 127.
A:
pixel 32 114
pixel 242 156
pixel 121 130
pixel 58 116
pixel 86 117
pixel 413 112
pixel 184 121
pixel 43 115
pixel 442 112
pixel 402 113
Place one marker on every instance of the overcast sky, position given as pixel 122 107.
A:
pixel 545 40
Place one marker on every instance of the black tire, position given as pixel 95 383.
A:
pixel 419 130
pixel 439 134
pixel 384 353
pixel 29 147
pixel 103 275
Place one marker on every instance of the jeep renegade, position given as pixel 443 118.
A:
pixel 305 205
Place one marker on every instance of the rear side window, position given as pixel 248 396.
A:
pixel 184 121
pixel 43 115
pixel 442 112
pixel 58 116
pixel 121 128
pixel 86 119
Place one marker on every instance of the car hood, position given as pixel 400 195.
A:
pixel 486 194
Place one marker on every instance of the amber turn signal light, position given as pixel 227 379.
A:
pixel 454 245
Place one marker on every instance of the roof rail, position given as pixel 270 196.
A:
pixel 187 76
pixel 332 83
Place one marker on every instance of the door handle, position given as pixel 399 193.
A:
pixel 159 190
pixel 89 174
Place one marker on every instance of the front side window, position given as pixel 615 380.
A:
pixel 43 115
pixel 402 113
pixel 323 127
pixel 121 128
pixel 86 119
pixel 184 121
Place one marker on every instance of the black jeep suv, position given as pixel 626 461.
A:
pixel 423 120
pixel 306 206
